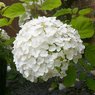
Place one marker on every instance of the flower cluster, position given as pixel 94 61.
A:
pixel 44 48
pixel 4 34
pixel 4 37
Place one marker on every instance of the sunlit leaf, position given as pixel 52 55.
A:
pixel 51 4
pixel 85 11
pixel 84 26
pixel 63 12
pixel 14 10
pixel 70 79
pixel 3 22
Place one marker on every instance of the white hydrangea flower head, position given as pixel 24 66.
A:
pixel 44 48
pixel 4 34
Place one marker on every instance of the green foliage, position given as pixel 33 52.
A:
pixel 12 74
pixel 85 65
pixel 82 76
pixel 3 22
pixel 14 10
pixel 90 54
pixel 70 79
pixel 54 85
pixel 63 12
pixel 9 42
pixel 85 74
pixel 91 83
pixel 85 11
pixel 51 4
pixel 78 20
pixel 27 1
pixel 75 10
pixel 84 26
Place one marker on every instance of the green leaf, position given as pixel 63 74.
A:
pixel 12 74
pixel 63 12
pixel 82 76
pixel 54 85
pixel 85 11
pixel 9 42
pixel 10 21
pixel 51 4
pixel 84 64
pixel 91 83
pixel 14 10
pixel 75 10
pixel 84 26
pixel 3 22
pixel 27 1
pixel 70 79
pixel 90 54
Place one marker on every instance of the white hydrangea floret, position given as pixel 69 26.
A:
pixel 4 34
pixel 4 37
pixel 44 48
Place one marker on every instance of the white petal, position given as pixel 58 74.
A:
pixel 40 60
pixel 50 31
pixel 52 48
pixel 44 53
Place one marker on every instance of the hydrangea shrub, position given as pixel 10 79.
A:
pixel 46 47
pixel 45 44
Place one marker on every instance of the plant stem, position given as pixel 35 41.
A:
pixel 13 28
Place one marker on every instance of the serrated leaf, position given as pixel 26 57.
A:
pixel 90 54
pixel 85 11
pixel 51 4
pixel 70 79
pixel 91 83
pixel 84 26
pixel 14 10
pixel 3 22
pixel 63 12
